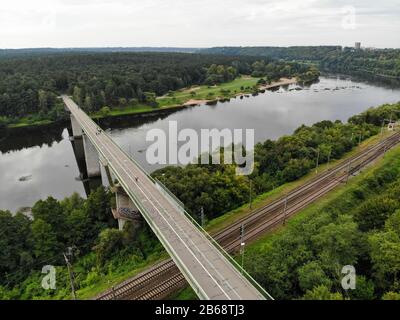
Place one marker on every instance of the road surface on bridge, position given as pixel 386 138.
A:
pixel 209 272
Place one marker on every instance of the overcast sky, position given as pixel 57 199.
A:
pixel 198 23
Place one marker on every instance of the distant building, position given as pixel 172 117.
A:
pixel 357 46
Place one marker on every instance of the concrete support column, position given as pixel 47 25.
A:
pixel 109 176
pixel 124 202
pixel 92 158
pixel 76 128
pixel 107 170
pixel 79 151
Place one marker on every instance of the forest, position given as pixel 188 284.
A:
pixel 302 53
pixel 369 64
pixel 29 86
pixel 97 248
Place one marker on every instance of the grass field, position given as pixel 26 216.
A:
pixel 25 123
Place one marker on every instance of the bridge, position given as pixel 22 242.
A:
pixel 209 270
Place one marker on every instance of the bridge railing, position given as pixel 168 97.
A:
pixel 170 196
pixel 217 245
pixel 177 203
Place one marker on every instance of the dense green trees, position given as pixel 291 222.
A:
pixel 309 76
pixel 303 53
pixel 87 226
pixel 56 225
pixel 370 64
pixel 218 74
pixel 305 260
pixel 376 64
pixel 217 190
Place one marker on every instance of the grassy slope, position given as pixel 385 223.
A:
pixel 26 123
pixel 106 282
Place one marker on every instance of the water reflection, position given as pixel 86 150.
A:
pixel 18 139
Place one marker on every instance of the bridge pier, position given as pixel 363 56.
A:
pixel 76 128
pixel 91 158
pixel 107 170
pixel 79 152
pixel 125 210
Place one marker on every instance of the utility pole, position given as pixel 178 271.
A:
pixel 348 172
pixel 242 243
pixel 329 158
pixel 71 276
pixel 251 200
pixel 383 124
pixel 316 167
pixel 284 210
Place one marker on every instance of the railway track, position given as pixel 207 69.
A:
pixel 164 278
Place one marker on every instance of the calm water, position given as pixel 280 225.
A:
pixel 45 160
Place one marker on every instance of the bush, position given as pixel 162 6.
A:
pixel 105 111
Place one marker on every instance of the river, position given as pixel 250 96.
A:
pixel 39 163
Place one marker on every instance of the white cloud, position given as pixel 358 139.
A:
pixel 189 23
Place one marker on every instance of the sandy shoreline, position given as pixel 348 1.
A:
pixel 281 82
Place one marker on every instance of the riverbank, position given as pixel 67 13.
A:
pixel 244 85
pixel 197 95
pixel 281 82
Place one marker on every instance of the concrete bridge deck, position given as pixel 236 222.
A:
pixel 208 271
